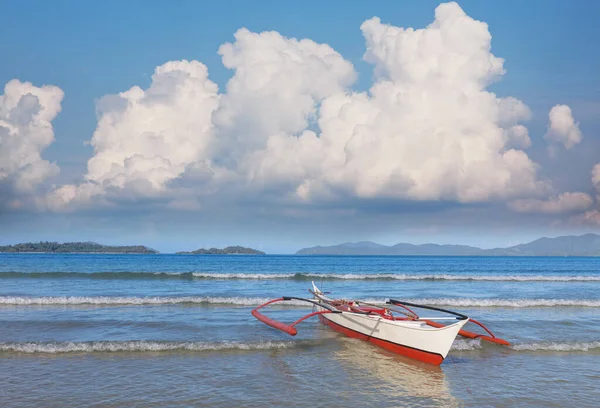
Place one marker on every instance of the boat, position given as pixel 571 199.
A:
pixel 395 327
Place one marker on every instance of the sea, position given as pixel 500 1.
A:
pixel 87 330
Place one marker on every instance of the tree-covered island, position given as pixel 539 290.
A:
pixel 76 247
pixel 230 250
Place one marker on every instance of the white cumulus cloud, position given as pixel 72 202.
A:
pixel 146 138
pixel 596 177
pixel 26 114
pixel 593 215
pixel 562 127
pixel 277 85
pixel 426 130
pixel 565 202
pixel 289 123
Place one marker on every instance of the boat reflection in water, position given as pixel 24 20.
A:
pixel 409 382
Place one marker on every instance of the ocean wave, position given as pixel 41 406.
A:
pixel 129 300
pixel 466 345
pixel 139 345
pixel 301 276
pixel 98 275
pixel 549 346
pixel 225 346
pixel 507 303
pixel 255 301
pixel 558 346
pixel 458 277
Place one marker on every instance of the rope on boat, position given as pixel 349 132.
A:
pixel 451 361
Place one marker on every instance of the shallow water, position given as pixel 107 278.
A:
pixel 176 330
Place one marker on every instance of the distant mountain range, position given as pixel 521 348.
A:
pixel 583 245
pixel 571 245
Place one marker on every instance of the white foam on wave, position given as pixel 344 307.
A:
pixel 509 303
pixel 516 278
pixel 162 346
pixel 466 345
pixel 141 301
pixel 393 276
pixel 208 275
pixel 477 344
pixel 128 300
pixel 137 345
pixel 456 277
pixel 255 301
pixel 309 276
pixel 558 346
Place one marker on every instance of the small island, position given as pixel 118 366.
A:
pixel 230 250
pixel 76 247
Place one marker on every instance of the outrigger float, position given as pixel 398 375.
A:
pixel 396 328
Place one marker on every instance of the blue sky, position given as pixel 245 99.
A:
pixel 92 49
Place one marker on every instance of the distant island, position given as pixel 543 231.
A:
pixel 76 247
pixel 230 250
pixel 571 245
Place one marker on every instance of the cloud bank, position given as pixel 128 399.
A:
pixel 427 129
pixel 596 177
pixel 565 202
pixel 593 216
pixel 290 127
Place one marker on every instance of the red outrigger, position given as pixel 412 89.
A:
pixel 396 328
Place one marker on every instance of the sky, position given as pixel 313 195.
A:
pixel 281 125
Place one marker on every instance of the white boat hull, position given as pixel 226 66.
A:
pixel 414 339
